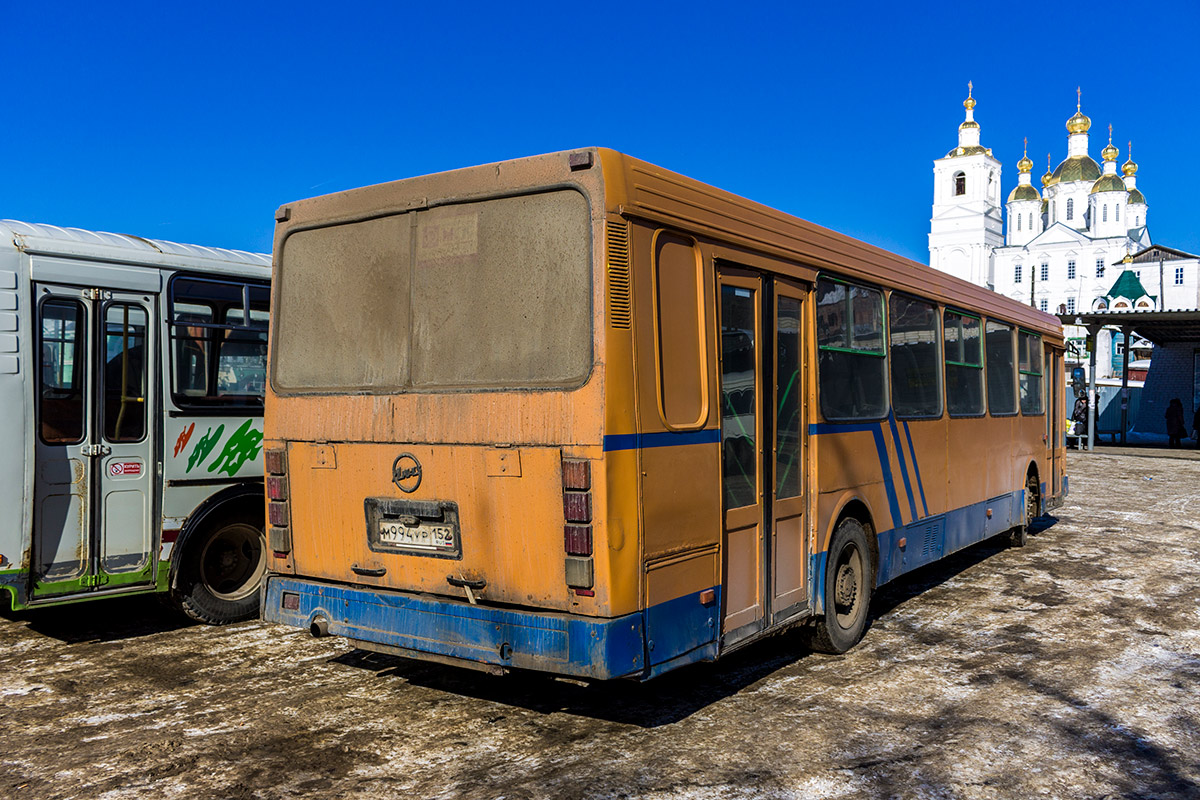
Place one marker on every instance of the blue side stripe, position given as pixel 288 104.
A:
pixel 641 441
pixel 916 467
pixel 885 463
pixel 912 504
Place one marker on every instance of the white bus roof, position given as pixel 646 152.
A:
pixel 123 248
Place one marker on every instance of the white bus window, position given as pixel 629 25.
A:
pixel 218 343
pixel 124 373
pixel 61 394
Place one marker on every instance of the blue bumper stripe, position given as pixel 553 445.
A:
pixel 566 644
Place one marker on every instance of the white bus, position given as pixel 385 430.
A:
pixel 131 386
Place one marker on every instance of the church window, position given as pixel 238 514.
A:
pixel 1045 271
pixel 1018 222
pixel 1016 273
pixel 1070 305
pixel 1030 220
pixel 1099 267
pixel 960 184
pixel 1117 212
pixel 1070 208
pixel 1179 276
pixel 1104 213
pixel 1071 270
pixel 1043 304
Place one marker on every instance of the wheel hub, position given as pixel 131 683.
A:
pixel 846 587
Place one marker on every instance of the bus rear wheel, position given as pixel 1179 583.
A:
pixel 1018 536
pixel 220 571
pixel 849 578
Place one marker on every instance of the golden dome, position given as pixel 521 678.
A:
pixel 1109 153
pixel 1080 122
pixel 969 103
pixel 1129 168
pixel 1108 183
pixel 1025 165
pixel 1075 168
pixel 1023 192
pixel 1136 197
pixel 1047 177
pixel 968 124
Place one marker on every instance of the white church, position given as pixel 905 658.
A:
pixel 1080 244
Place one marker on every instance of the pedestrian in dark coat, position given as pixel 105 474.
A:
pixel 1175 429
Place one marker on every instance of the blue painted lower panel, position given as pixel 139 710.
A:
pixel 930 539
pixel 547 641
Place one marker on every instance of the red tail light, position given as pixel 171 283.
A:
pixel 277 513
pixel 277 487
pixel 279 537
pixel 578 539
pixel 276 461
pixel 577 532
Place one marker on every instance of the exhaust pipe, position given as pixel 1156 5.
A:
pixel 319 627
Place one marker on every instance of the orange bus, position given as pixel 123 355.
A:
pixel 580 414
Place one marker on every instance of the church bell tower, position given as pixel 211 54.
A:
pixel 966 224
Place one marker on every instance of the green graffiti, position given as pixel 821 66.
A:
pixel 241 447
pixel 205 446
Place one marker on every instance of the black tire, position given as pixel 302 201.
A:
pixel 221 567
pixel 1019 535
pixel 849 582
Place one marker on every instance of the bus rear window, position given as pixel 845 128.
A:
pixel 490 294
pixel 218 343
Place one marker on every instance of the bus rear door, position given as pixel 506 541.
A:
pixel 94 457
pixel 763 447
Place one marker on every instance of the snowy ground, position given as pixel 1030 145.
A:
pixel 1069 668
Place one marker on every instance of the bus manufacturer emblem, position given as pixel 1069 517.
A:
pixel 406 473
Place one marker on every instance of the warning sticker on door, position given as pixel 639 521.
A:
pixel 124 469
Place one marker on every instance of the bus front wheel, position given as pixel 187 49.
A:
pixel 220 570
pixel 849 578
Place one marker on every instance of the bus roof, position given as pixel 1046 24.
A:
pixel 53 240
pixel 644 190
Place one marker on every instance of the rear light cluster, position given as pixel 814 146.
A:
pixel 279 534
pixel 577 532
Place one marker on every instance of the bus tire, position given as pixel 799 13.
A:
pixel 221 568
pixel 849 580
pixel 1019 535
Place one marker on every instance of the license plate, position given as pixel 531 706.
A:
pixel 423 536
pixel 417 527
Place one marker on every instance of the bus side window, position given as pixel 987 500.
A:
pixel 1002 396
pixel 964 365
pixel 913 345
pixel 61 394
pixel 851 360
pixel 1029 355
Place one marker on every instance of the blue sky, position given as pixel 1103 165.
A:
pixel 193 122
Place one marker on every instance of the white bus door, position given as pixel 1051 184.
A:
pixel 94 462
